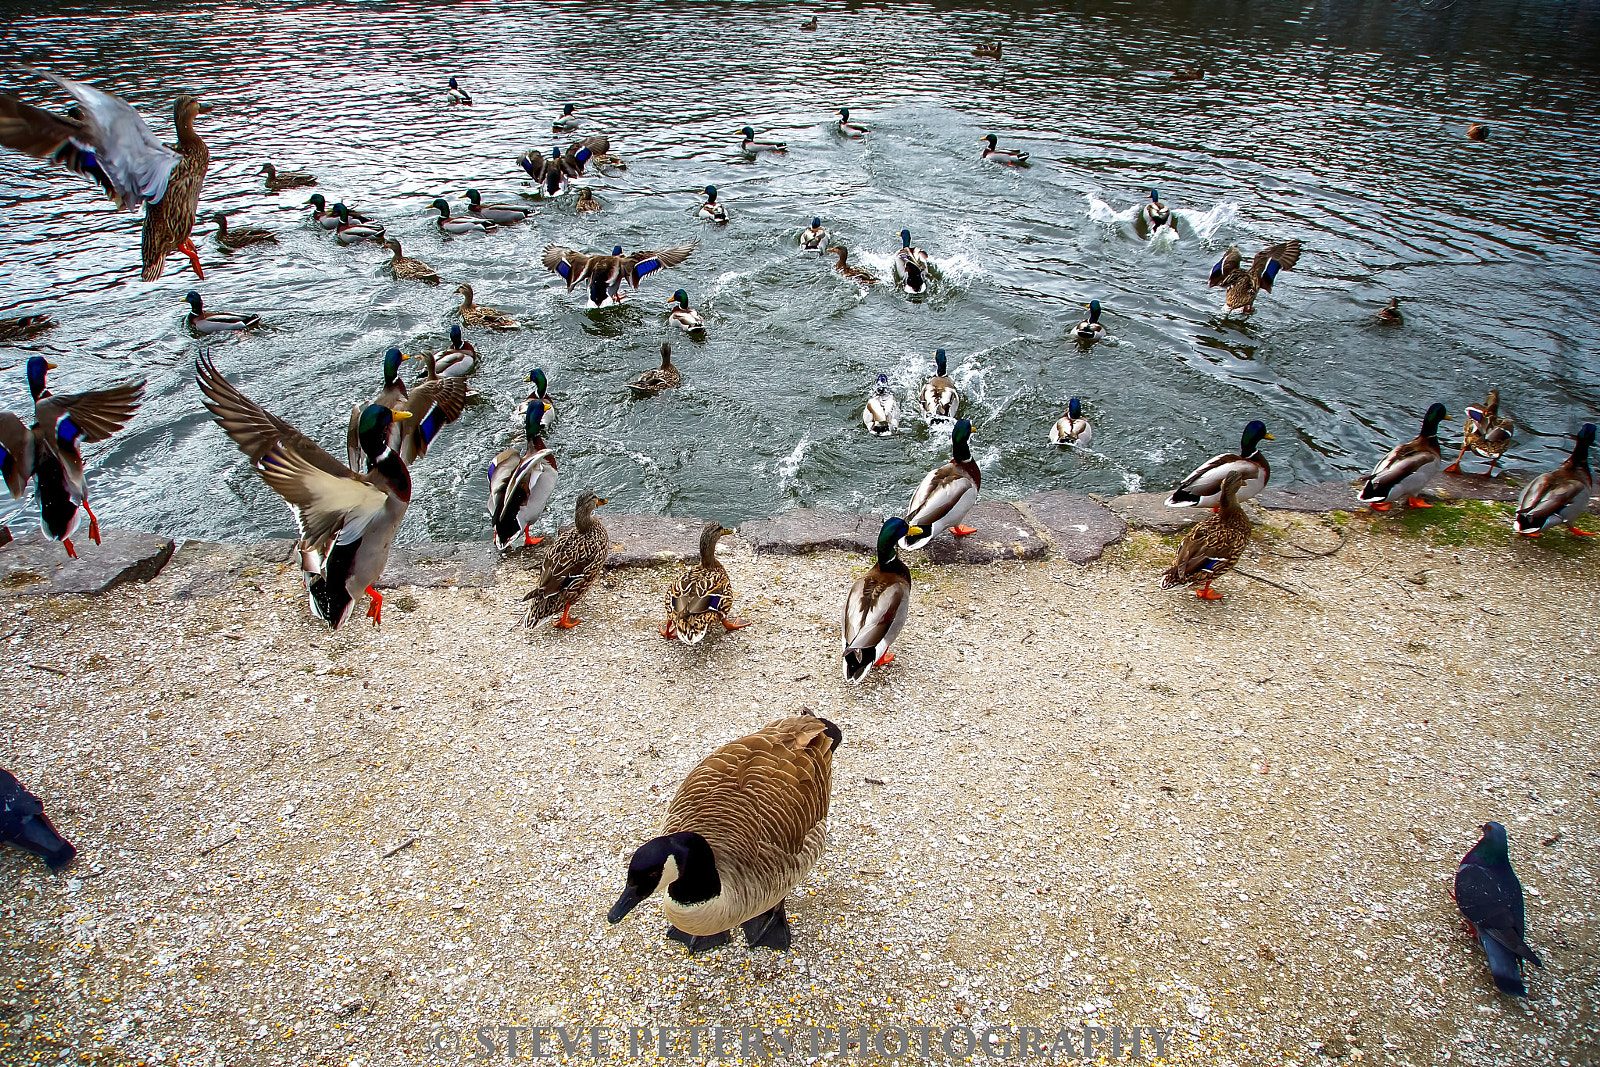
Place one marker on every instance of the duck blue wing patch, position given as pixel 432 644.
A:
pixel 564 269
pixel 645 266
pixel 67 431
pixel 1271 272
pixel 429 425
pixel 1216 273
pixel 1475 413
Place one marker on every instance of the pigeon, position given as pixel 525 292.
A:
pixel 1490 899
pixel 24 824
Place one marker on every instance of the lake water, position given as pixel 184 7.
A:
pixel 1338 123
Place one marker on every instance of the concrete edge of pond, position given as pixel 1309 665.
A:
pixel 1058 523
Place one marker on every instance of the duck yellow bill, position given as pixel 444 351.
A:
pixel 1271 438
pixel 401 416
pixel 914 531
pixel 602 500
pixel 49 366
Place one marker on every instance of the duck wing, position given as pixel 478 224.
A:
pixel 254 429
pixel 1549 495
pixel 638 264
pixel 434 404
pixel 1401 463
pixel 580 152
pixel 325 504
pixel 875 609
pixel 111 143
pixel 572 266
pixel 1222 273
pixel 1285 253
pixel 16 453
pixel 89 416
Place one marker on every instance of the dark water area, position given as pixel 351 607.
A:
pixel 1341 124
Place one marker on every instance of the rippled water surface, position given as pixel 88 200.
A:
pixel 1337 123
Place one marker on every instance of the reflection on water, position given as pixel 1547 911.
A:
pixel 1338 123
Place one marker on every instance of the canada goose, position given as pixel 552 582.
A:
pixel 745 827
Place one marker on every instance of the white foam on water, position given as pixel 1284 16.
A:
pixel 1206 224
pixel 1106 215
pixel 789 465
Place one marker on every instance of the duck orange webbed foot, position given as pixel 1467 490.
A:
pixel 528 540
pixel 566 622
pixel 375 609
pixel 1417 502
pixel 188 249
pixel 884 660
pixel 94 524
pixel 963 531
pixel 1574 531
pixel 66 542
pixel 1454 468
pixel 734 624
pixel 1381 507
pixel 1208 593
pixel 668 631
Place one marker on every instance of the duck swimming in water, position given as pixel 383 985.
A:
pixel 881 416
pixel 848 128
pixel 911 266
pixel 1072 428
pixel 815 239
pixel 712 210
pixel 457 95
pixel 1011 157
pixel 750 146
pixel 1090 329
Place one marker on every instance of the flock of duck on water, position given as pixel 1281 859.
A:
pixel 749 821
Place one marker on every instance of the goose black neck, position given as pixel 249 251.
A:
pixel 698 880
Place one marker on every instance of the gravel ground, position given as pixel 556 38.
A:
pixel 1074 800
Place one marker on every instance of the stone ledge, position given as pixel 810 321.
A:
pixel 34 565
pixel 441 565
pixel 1149 511
pixel 791 533
pixel 1003 532
pixel 1080 527
pixel 207 568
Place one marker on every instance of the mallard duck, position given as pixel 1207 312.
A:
pixel 656 379
pixel 1011 157
pixel 289 179
pixel 702 594
pixel 911 265
pixel 1560 495
pixel 570 566
pixel 1203 488
pixel 457 361
pixel 605 274
pixel 1241 286
pixel 1408 468
pixel 946 494
pixel 567 122
pixel 47 453
pixel 854 273
pixel 349 231
pixel 480 315
pixel 1090 330
pixel 24 824
pixel 881 416
pixel 745 827
pixel 243 237
pixel 1156 214
pixel 329 217
pixel 1489 896
pixel 1072 428
pixel 459 224
pixel 940 398
pixel 875 609
pixel 538 389
pixel 432 405
pixel 989 51
pixel 520 483
pixel 457 95
pixel 750 146
pixel 711 209
pixel 814 239
pixel 848 128
pixel 24 327
pixel 1390 315
pixel 501 213
pixel 1477 131
pixel 202 321
pixel 402 266
pixel 809 24
pixel 111 144
pixel 587 204
pixel 1213 545
pixel 1188 74
pixel 682 315
pixel 1486 432
pixel 347 520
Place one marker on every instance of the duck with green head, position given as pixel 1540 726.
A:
pixel 458 224
pixel 349 231
pixel 499 213
pixel 1560 495
pixel 814 239
pixel 1090 330
pixel 1011 157
pixel 1072 428
pixel 682 315
pixel 946 494
pixel 520 483
pixel 712 210
pixel 940 398
pixel 876 608
pixel 1203 487
pixel 538 389
pixel 911 265
pixel 750 146
pixel 1408 468
pixel 848 128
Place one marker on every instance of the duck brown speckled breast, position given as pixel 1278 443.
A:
pixel 761 803
pixel 168 221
